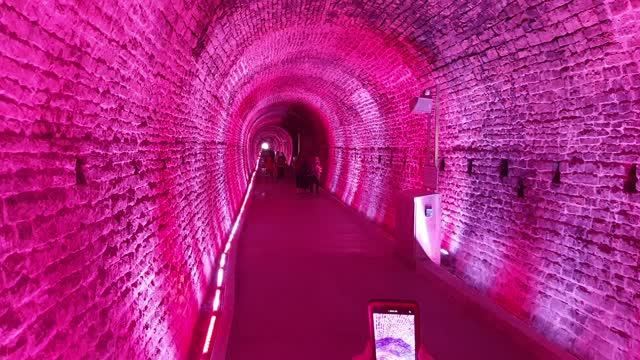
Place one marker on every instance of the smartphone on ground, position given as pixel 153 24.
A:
pixel 393 326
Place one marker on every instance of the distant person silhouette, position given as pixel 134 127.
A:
pixel 300 168
pixel 281 163
pixel 270 166
pixel 315 174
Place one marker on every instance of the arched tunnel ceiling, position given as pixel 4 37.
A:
pixel 347 60
pixel 308 52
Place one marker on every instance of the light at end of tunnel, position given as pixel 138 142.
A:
pixel 216 300
pixel 444 252
pixel 265 146
pixel 220 277
pixel 207 341
pixel 223 260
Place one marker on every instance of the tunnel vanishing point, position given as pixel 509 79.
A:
pixel 130 129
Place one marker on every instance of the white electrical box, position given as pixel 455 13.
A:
pixel 418 226
pixel 427 225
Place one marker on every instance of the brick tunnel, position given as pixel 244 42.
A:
pixel 131 130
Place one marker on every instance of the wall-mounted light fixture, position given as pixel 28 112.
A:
pixel 556 174
pixel 424 104
pixel 421 104
pixel 80 178
pixel 504 168
pixel 520 188
pixel 631 184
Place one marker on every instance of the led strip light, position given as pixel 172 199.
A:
pixel 223 260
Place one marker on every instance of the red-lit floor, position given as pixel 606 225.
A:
pixel 306 267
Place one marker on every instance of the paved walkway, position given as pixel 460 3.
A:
pixel 307 266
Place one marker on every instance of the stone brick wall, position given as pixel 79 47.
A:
pixel 125 140
pixel 117 185
pixel 553 88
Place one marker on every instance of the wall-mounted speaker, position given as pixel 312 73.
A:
pixel 421 105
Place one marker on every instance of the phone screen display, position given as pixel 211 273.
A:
pixel 394 333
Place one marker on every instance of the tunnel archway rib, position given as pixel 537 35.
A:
pixel 354 115
pixel 277 137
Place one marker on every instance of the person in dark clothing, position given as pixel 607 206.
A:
pixel 315 174
pixel 281 163
pixel 300 168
